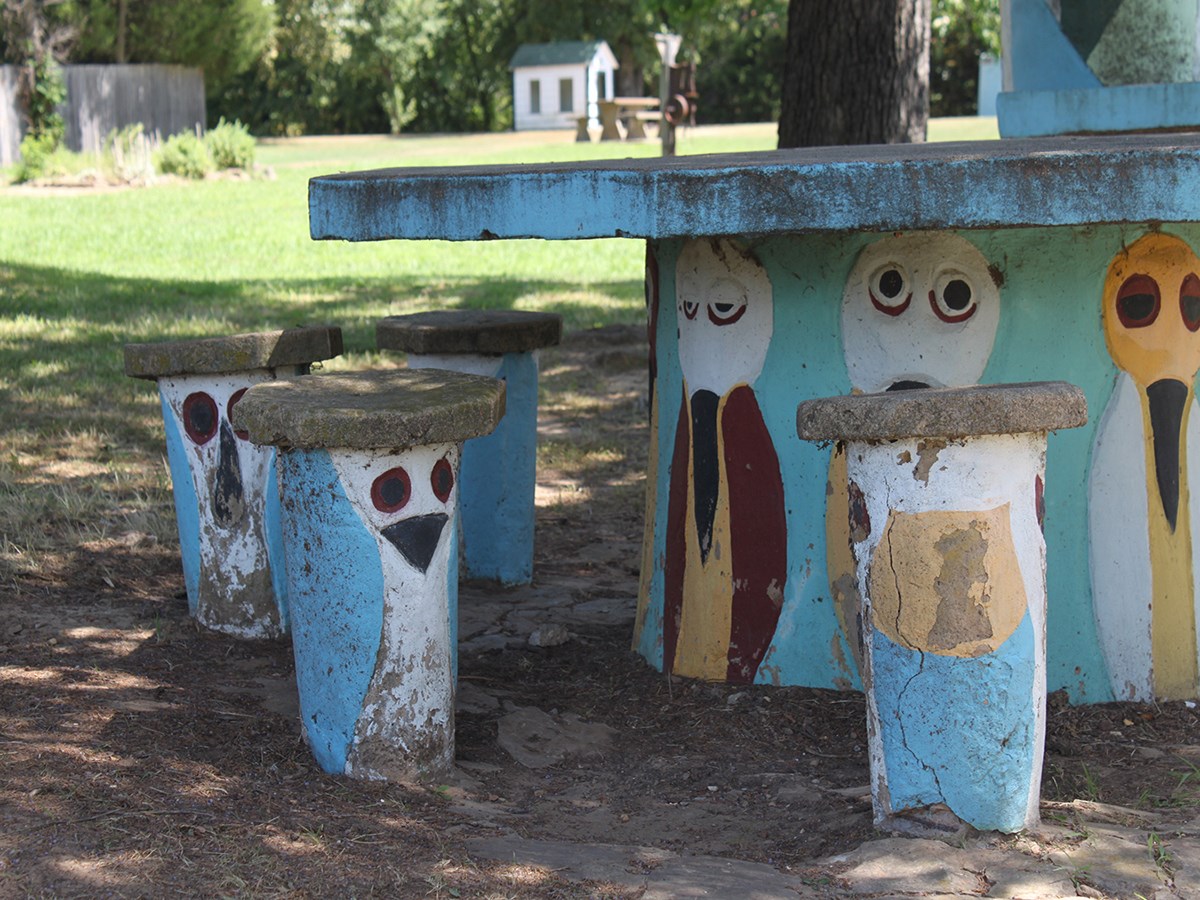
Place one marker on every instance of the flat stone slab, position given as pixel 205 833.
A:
pixel 981 184
pixel 371 410
pixel 234 353
pixel 482 331
pixel 944 412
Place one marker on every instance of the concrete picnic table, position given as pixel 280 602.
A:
pixel 777 277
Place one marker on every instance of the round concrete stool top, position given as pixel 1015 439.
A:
pixel 390 410
pixel 482 331
pixel 234 353
pixel 944 412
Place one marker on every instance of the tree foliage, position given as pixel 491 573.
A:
pixel 223 37
pixel 962 30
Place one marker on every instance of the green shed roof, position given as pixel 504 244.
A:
pixel 555 54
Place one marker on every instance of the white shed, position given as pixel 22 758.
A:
pixel 555 84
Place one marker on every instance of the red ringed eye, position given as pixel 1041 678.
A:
pixel 690 308
pixel 233 401
pixel 200 418
pixel 889 290
pixel 441 479
pixel 1138 301
pixel 391 491
pixel 952 298
pixel 726 313
pixel 1189 302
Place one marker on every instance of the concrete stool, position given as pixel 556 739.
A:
pixel 367 472
pixel 226 502
pixel 946 509
pixel 498 471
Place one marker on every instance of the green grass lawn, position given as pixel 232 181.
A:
pixel 82 272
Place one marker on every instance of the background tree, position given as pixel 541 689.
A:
pixel 857 72
pixel 36 37
pixel 223 37
pixel 739 48
pixel 961 31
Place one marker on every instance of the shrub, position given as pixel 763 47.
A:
pixel 41 156
pixel 184 154
pixel 129 155
pixel 230 145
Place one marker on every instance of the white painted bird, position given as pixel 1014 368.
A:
pixel 1142 515
pixel 378 682
pixel 225 493
pixel 726 548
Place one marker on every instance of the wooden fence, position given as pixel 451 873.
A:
pixel 101 98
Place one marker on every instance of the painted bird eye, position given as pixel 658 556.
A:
pixel 690 308
pixel 1138 301
pixel 889 290
pixel 952 298
pixel 233 401
pixel 441 479
pixel 200 418
pixel 391 491
pixel 1189 302
pixel 726 302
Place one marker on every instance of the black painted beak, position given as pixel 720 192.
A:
pixel 907 386
pixel 706 467
pixel 1168 400
pixel 417 538
pixel 228 504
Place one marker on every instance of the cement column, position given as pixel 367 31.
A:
pixel 499 471
pixel 226 501
pixel 946 493
pixel 368 475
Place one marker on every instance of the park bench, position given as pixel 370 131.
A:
pixel 368 476
pixel 499 470
pixel 619 120
pixel 226 504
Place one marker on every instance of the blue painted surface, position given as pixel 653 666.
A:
pixel 975 185
pixel 1134 107
pixel 273 527
pixel 497 481
pixel 335 582
pixel 1040 56
pixel 187 506
pixel 1049 330
pixel 941 715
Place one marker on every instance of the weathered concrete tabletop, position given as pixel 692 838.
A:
pixel 1045 181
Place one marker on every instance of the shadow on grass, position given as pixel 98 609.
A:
pixel 62 332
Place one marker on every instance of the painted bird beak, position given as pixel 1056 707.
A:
pixel 417 538
pixel 228 504
pixel 1167 400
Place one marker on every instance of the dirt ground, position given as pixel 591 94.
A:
pixel 141 756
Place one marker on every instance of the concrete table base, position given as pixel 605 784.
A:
pixel 499 470
pixel 226 500
pixel 368 474
pixel 945 527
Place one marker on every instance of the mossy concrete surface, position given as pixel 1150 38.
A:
pixel 944 412
pixel 483 331
pixel 371 410
pixel 234 353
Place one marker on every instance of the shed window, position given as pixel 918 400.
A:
pixel 566 95
pixel 535 96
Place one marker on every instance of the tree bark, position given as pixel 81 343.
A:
pixel 857 72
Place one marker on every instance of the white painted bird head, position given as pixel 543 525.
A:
pixel 405 498
pixel 919 310
pixel 725 315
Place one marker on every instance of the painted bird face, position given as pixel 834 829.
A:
pixel 918 310
pixel 724 312
pixel 406 499
pixel 1152 310
pixel 229 471
pixel 1152 327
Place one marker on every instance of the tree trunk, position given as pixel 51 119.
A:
pixel 122 11
pixel 857 72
